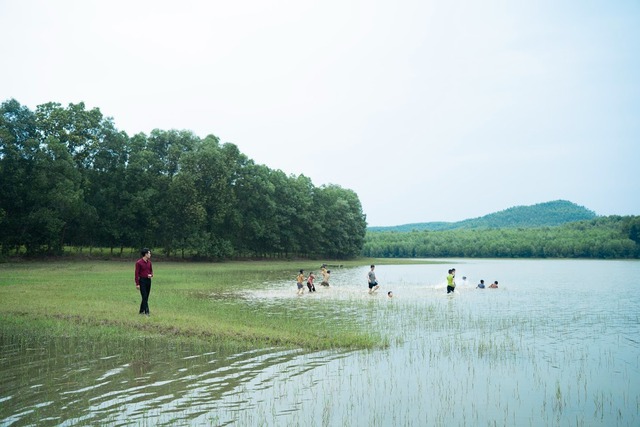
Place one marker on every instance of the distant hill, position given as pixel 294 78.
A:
pixel 543 214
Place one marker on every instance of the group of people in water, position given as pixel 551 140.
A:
pixel 309 279
pixel 494 285
pixel 373 281
pixel 451 282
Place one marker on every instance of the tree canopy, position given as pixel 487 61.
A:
pixel 69 177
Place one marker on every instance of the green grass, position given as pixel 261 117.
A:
pixel 192 302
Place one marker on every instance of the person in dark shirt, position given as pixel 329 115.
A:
pixel 143 275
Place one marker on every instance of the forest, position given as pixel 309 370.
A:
pixel 71 178
pixel 611 237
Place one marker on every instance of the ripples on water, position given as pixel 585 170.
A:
pixel 48 385
pixel 557 344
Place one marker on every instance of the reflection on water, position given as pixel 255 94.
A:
pixel 557 344
pixel 45 384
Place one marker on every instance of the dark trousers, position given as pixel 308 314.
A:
pixel 145 290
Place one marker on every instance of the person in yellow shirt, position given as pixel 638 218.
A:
pixel 451 282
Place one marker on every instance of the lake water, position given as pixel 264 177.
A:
pixel 558 343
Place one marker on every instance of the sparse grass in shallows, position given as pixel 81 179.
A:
pixel 198 302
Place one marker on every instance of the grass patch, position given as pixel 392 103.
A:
pixel 194 302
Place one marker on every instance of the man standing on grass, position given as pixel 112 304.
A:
pixel 144 273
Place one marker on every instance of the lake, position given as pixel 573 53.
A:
pixel 558 343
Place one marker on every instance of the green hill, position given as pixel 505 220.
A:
pixel 547 214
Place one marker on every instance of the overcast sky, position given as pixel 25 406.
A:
pixel 428 110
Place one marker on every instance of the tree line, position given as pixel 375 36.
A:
pixel 70 178
pixel 604 237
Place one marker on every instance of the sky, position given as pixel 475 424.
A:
pixel 428 110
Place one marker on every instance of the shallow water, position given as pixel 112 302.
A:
pixel 557 344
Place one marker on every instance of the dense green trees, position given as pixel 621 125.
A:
pixel 69 177
pixel 605 237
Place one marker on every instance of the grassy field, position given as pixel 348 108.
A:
pixel 193 302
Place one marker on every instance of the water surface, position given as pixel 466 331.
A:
pixel 557 344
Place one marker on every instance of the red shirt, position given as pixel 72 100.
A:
pixel 143 269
